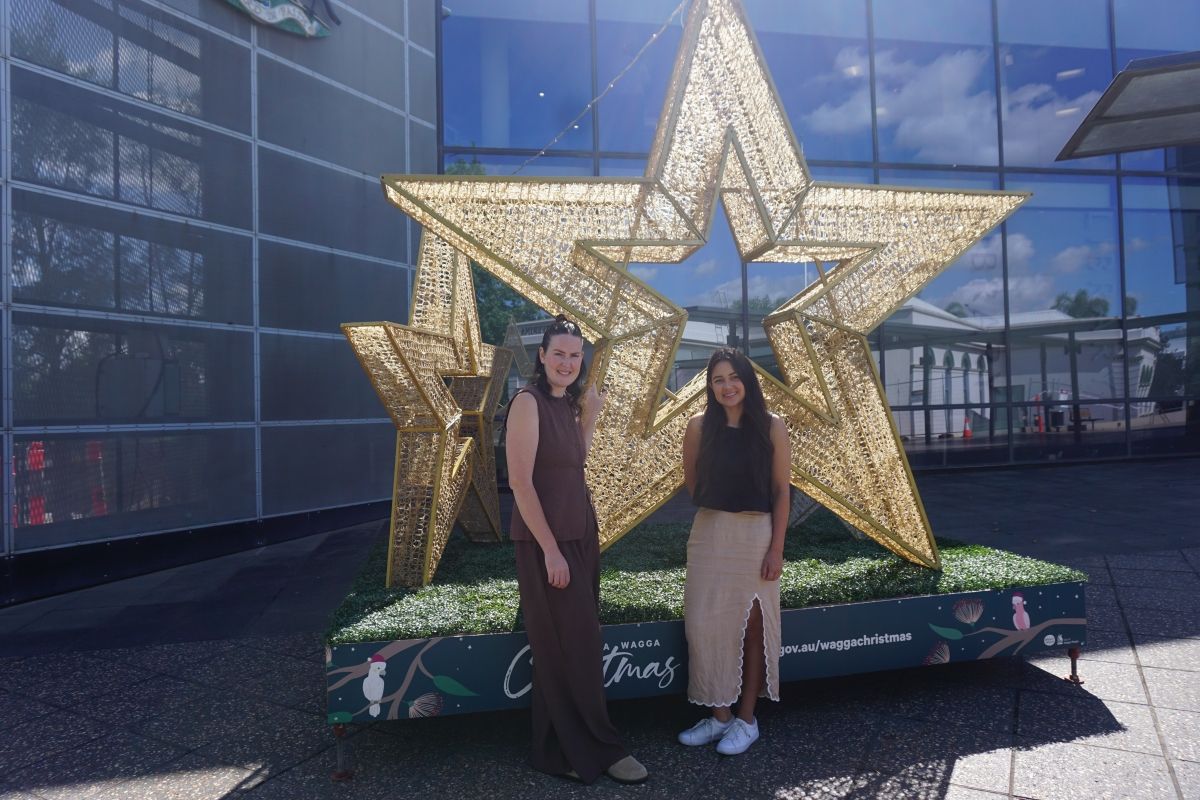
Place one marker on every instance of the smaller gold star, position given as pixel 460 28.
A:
pixel 439 443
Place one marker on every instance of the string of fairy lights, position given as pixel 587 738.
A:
pixel 574 123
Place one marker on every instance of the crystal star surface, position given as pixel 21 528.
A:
pixel 566 244
pixel 444 448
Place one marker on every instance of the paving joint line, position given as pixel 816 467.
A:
pixel 1014 733
pixel 1162 741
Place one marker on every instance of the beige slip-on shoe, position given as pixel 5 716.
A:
pixel 628 770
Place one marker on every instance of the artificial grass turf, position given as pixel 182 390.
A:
pixel 641 580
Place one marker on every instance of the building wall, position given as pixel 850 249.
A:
pixel 191 206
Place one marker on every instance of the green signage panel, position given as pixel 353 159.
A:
pixel 464 674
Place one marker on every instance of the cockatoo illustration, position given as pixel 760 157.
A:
pixel 1020 615
pixel 373 683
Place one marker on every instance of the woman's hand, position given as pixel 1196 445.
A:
pixel 557 572
pixel 772 566
pixel 593 401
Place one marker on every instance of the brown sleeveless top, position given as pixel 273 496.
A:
pixel 558 476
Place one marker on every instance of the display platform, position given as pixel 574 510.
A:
pixel 456 646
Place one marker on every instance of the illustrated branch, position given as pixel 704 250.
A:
pixel 1021 638
pixel 360 670
pixel 396 696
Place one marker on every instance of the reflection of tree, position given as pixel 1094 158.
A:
pixel 55 261
pixel 74 140
pixel 759 305
pixel 57 369
pixel 38 41
pixel 957 309
pixel 79 156
pixel 67 263
pixel 1171 373
pixel 1081 305
pixel 497 302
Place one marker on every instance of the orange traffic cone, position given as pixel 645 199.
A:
pixel 967 427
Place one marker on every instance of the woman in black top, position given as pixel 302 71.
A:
pixel 736 465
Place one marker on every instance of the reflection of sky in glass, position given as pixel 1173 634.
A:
pixel 548 166
pixel 712 276
pixel 1055 63
pixel 771 284
pixel 1063 240
pixel 935 95
pixel 623 167
pixel 629 113
pixel 816 52
pixel 935 71
pixel 516 74
pixel 1157 215
pixel 841 174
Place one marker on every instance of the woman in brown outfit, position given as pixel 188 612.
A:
pixel 555 537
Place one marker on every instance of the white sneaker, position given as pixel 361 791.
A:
pixel 738 738
pixel 706 731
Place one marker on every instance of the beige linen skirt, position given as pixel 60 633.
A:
pixel 724 577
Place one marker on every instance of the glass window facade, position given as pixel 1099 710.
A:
pixel 1070 332
pixel 191 207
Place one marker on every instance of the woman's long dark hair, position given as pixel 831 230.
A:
pixel 561 325
pixel 755 422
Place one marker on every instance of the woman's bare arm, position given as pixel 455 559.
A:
pixel 593 403
pixel 691 452
pixel 781 505
pixel 521 450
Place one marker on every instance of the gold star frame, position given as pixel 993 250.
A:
pixel 441 386
pixel 566 245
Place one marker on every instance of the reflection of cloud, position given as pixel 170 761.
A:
pixel 1038 120
pixel 1074 258
pixel 706 267
pixel 1071 259
pixel 932 107
pixel 986 254
pixel 644 273
pixel 1020 250
pixel 936 112
pixel 1136 243
pixel 985 296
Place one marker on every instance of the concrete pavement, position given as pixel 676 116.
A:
pixel 206 681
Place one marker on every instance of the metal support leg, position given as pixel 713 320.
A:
pixel 343 771
pixel 1074 676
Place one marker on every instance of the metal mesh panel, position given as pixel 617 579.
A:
pixel 49 34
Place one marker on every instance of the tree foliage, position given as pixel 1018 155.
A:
pixel 1081 305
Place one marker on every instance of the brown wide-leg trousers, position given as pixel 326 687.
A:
pixel 571 729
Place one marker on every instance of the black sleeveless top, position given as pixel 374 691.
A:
pixel 729 484
pixel 558 476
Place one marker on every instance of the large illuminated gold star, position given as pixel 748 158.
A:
pixel 444 448
pixel 566 244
